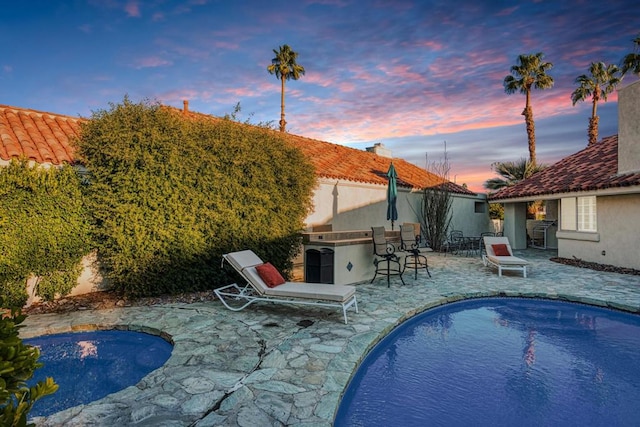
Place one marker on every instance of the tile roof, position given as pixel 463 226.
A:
pixel 37 135
pixel 45 138
pixel 594 168
pixel 340 162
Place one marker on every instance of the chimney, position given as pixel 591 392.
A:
pixel 379 149
pixel 185 110
pixel 629 129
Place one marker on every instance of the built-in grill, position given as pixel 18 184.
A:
pixel 541 232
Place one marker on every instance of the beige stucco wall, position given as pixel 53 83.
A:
pixel 629 128
pixel 617 241
pixel 466 219
pixel 348 205
pixel 515 224
pixel 90 280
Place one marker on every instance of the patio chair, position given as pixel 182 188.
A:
pixel 456 243
pixel 410 243
pixel 499 254
pixel 260 288
pixel 386 261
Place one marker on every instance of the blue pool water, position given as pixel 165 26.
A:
pixel 501 362
pixel 90 365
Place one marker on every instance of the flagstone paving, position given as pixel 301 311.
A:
pixel 276 365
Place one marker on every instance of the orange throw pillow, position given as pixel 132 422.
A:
pixel 500 250
pixel 270 275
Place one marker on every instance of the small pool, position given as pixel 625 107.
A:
pixel 90 365
pixel 501 362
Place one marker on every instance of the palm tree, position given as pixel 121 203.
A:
pixel 511 173
pixel 602 80
pixel 285 67
pixel 631 61
pixel 530 72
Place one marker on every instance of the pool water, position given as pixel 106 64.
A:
pixel 90 365
pixel 501 362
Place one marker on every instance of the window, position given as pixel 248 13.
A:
pixel 479 207
pixel 587 214
pixel 578 214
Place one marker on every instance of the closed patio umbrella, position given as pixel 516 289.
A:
pixel 392 195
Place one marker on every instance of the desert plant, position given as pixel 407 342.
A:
pixel 18 362
pixel 435 209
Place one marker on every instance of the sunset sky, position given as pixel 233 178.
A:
pixel 409 74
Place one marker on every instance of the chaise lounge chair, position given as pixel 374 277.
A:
pixel 247 263
pixel 499 254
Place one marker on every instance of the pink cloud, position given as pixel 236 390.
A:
pixel 508 11
pixel 133 9
pixel 150 62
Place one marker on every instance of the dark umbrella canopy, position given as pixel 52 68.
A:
pixel 392 195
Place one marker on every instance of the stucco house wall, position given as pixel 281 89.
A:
pixel 617 240
pixel 471 215
pixel 348 205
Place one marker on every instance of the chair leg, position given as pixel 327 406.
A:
pixel 426 266
pixel 388 273
pixel 416 261
pixel 388 270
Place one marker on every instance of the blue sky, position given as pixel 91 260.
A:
pixel 409 74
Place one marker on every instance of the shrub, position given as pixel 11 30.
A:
pixel 435 210
pixel 44 230
pixel 17 365
pixel 171 193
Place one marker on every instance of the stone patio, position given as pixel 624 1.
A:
pixel 276 365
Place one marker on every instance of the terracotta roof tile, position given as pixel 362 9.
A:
pixel 38 136
pixel 45 138
pixel 336 161
pixel 594 168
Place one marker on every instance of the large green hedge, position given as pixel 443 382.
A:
pixel 44 230
pixel 171 193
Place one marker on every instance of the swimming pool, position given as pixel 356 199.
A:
pixel 501 362
pixel 90 365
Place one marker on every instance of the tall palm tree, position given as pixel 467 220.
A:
pixel 602 80
pixel 511 173
pixel 285 67
pixel 529 73
pixel 631 61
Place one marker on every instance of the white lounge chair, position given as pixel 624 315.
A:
pixel 317 294
pixel 502 262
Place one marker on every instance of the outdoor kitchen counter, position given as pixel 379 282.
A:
pixel 352 260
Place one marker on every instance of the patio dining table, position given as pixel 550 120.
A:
pixel 472 245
